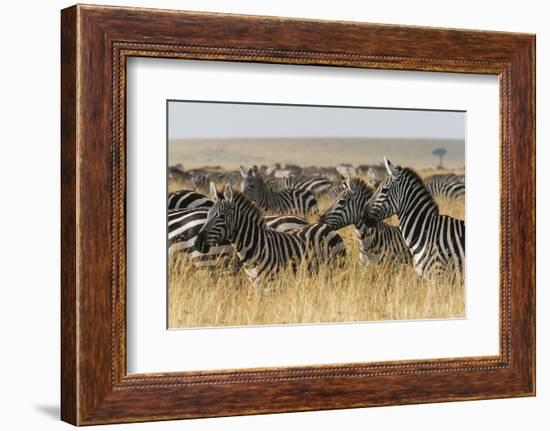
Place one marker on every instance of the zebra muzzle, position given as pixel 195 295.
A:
pixel 371 222
pixel 200 243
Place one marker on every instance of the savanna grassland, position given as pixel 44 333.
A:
pixel 230 153
pixel 199 298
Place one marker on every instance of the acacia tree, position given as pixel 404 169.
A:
pixel 440 152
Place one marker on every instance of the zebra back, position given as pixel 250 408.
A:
pixel 293 200
pixel 278 184
pixel 449 186
pixel 187 199
pixel 316 185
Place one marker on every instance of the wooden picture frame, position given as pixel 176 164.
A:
pixel 95 43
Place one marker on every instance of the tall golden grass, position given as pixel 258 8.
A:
pixel 198 298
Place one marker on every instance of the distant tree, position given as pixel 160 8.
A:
pixel 440 152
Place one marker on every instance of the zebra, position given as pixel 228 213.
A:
pixel 253 185
pixel 187 199
pixel 183 227
pixel 185 224
pixel 317 185
pixel 264 251
pixel 436 242
pixel 382 244
pixel 449 186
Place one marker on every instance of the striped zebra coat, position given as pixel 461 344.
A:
pixel 316 185
pixel 296 201
pixel 436 242
pixel 262 250
pixel 448 186
pixel 187 199
pixel 382 244
pixel 185 224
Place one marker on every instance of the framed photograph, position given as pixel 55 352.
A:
pixel 266 215
pixel 317 267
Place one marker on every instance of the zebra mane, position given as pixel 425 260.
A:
pixel 410 173
pixel 243 202
pixel 362 185
pixel 261 181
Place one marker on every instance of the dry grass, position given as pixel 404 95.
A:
pixel 347 294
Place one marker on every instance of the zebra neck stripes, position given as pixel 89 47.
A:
pixel 416 211
pixel 380 243
pixel 260 249
pixel 348 208
pixel 436 242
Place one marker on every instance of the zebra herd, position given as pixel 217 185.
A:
pixel 263 227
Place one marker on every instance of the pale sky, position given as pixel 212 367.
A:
pixel 209 120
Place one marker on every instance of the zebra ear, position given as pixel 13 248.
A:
pixel 228 193
pixel 243 171
pixel 391 168
pixel 213 192
pixel 255 170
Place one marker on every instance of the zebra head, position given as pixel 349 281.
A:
pixel 214 231
pixel 251 182
pixel 348 207
pixel 384 202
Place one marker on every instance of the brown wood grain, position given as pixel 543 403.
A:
pixel 96 41
pixel 69 367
